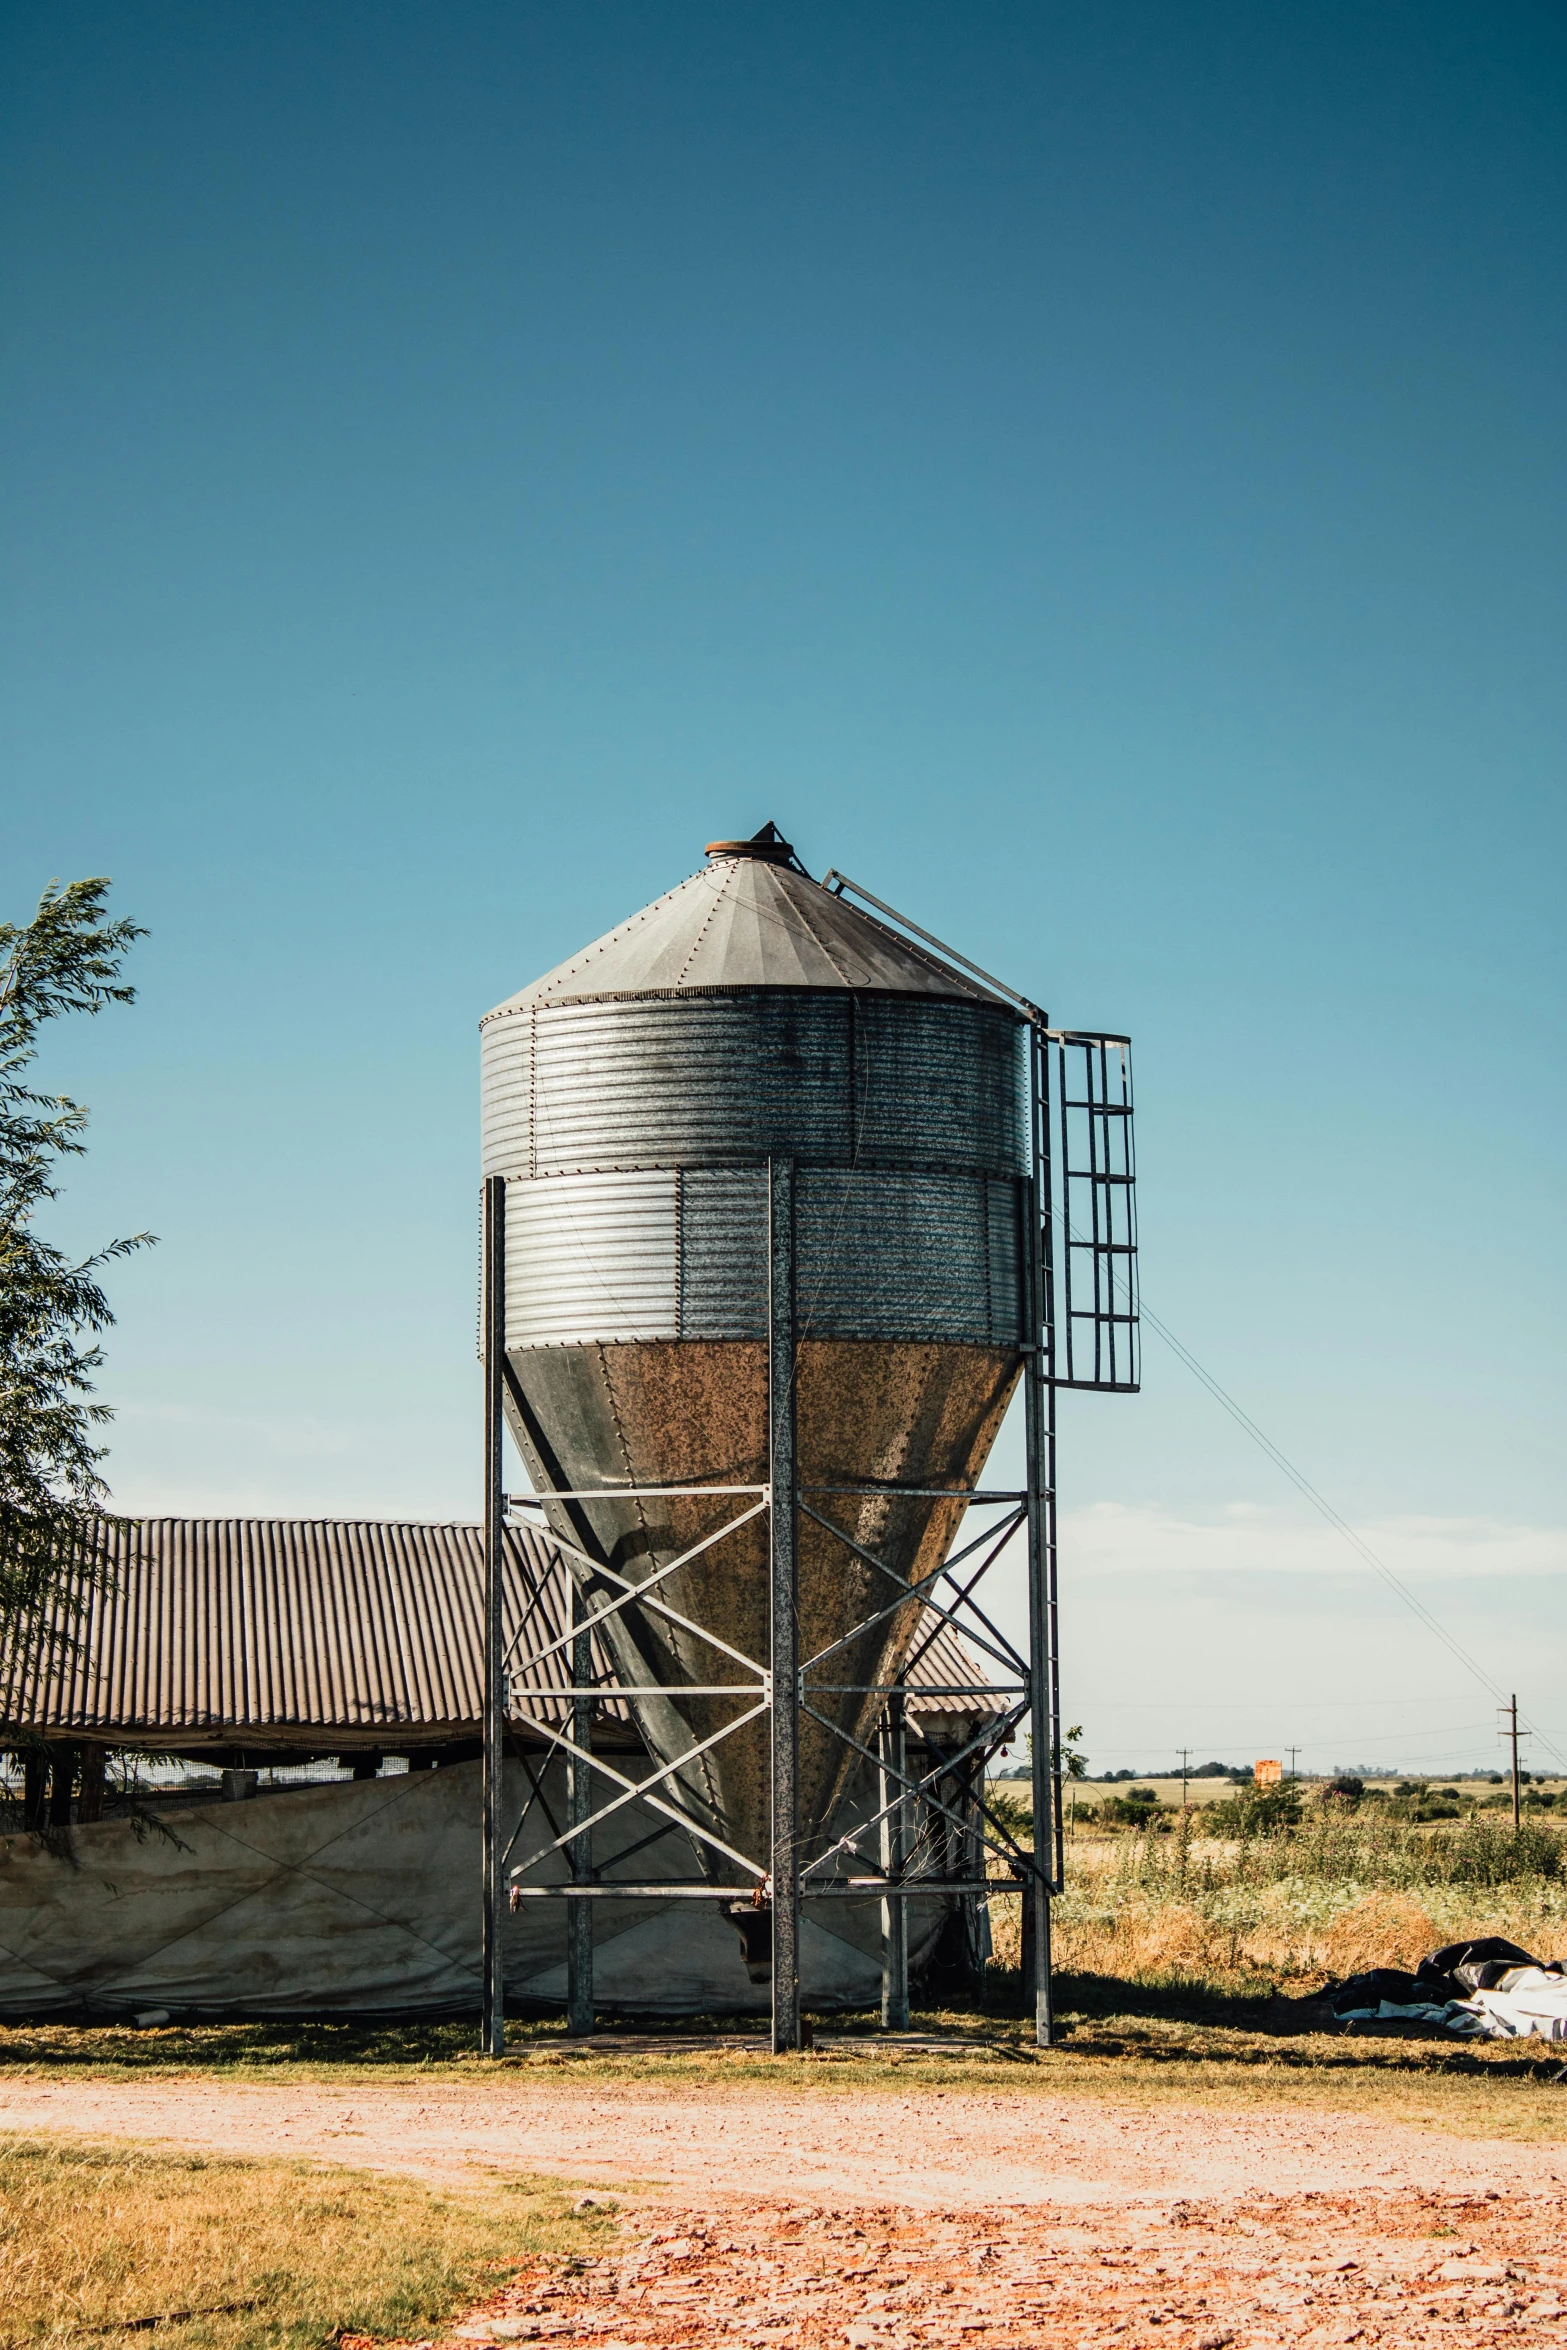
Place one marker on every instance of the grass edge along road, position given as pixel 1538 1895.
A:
pixel 1174 2042
pixel 99 2241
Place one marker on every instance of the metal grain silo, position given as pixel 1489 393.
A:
pixel 753 1065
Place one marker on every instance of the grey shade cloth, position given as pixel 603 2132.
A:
pixel 363 1897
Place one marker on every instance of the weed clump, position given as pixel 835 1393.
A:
pixel 1266 1885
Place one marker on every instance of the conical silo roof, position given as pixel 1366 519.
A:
pixel 751 917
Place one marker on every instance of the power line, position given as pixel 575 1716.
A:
pixel 1324 1507
pixel 1290 1705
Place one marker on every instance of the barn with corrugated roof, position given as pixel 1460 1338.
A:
pixel 323 1676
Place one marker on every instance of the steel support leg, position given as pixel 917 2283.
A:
pixel 784 1518
pixel 579 1803
pixel 894 1856
pixel 1040 1437
pixel 493 1350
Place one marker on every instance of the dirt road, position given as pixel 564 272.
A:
pixel 848 2220
pixel 937 2150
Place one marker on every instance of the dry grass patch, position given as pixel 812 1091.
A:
pixel 97 2243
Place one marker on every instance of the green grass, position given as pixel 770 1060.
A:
pixel 97 2241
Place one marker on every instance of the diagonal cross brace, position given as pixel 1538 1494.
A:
pixel 921 1786
pixel 1006 1655
pixel 1001 1537
pixel 635 1787
pixel 920 1589
pixel 638 1592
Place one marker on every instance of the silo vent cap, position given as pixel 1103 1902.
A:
pixel 768 844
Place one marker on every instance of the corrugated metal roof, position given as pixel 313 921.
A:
pixel 743 921
pixel 305 1630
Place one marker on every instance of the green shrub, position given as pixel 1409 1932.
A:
pixel 1139 1807
pixel 1011 1813
pixel 1257 1811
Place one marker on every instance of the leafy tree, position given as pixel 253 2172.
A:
pixel 52 1311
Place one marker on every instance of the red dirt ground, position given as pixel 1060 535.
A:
pixel 1251 2272
pixel 869 2220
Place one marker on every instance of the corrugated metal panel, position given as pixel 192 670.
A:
pixel 365 1627
pixel 506 1097
pixel 723 1253
pixel 726 1080
pixel 940 1085
pixel 896 1256
pixel 591 1257
pixel 615 1259
pixel 222 1629
pixel 742 922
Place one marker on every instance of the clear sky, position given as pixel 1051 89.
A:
pixel 1095 475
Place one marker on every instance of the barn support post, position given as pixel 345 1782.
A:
pixel 93 1784
pixel 492 1315
pixel 35 1789
pixel 784 1521
pixel 62 1784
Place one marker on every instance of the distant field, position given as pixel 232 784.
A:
pixel 1094 1791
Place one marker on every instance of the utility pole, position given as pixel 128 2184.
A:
pixel 1510 1710
pixel 1186 1756
pixel 1292 1752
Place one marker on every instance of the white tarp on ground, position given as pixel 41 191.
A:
pixel 1530 2002
pixel 364 1896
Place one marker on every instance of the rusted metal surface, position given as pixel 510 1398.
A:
pixel 320 1632
pixel 695 1414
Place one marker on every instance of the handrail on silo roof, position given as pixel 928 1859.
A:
pixel 839 882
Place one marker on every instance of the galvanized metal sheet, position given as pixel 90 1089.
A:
pixel 744 922
pixel 900 1256
pixel 660 1254
pixel 592 1256
pixel 727 1080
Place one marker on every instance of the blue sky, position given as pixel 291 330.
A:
pixel 1094 475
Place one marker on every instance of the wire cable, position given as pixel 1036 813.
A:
pixel 1340 1525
